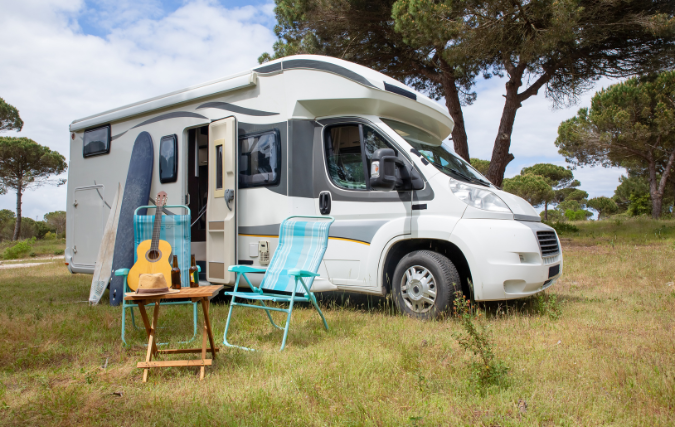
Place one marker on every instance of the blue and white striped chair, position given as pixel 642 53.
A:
pixel 302 244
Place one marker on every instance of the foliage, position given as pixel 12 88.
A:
pixel 440 47
pixel 552 216
pixel 50 236
pixel 20 249
pixel 639 205
pixel 488 371
pixel 57 221
pixel 480 165
pixel 577 215
pixel 24 164
pixel 603 205
pixel 629 185
pixel 9 117
pixel 532 188
pixel 630 124
pixel 562 227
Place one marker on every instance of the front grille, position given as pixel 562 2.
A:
pixel 548 242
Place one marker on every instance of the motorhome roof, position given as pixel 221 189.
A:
pixel 354 72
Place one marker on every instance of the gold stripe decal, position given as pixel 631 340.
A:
pixel 330 238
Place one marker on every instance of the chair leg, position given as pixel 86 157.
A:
pixel 227 327
pixel 124 309
pixel 288 323
pixel 316 305
pixel 133 318
pixel 269 316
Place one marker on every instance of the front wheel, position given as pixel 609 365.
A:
pixel 424 283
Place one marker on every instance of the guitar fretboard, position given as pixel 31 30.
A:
pixel 154 245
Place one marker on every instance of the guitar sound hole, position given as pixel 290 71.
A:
pixel 153 255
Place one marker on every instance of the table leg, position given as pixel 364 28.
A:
pixel 146 322
pixel 204 335
pixel 207 322
pixel 151 342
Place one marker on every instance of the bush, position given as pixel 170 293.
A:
pixel 58 252
pixel 32 254
pixel 50 236
pixel 562 227
pixel 20 249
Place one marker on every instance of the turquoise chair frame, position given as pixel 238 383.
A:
pixel 311 259
pixel 130 305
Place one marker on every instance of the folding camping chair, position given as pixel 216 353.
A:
pixel 302 244
pixel 174 229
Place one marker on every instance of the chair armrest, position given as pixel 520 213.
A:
pixel 245 269
pixel 301 273
pixel 199 269
pixel 122 272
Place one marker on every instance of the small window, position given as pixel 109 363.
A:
pixel 259 159
pixel 168 159
pixel 219 167
pixel 96 141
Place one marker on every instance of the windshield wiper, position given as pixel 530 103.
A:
pixel 462 175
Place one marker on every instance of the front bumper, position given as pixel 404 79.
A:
pixel 505 258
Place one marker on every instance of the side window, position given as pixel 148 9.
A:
pixel 168 159
pixel 259 159
pixel 345 158
pixel 372 142
pixel 96 141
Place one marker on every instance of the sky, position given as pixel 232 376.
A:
pixel 62 60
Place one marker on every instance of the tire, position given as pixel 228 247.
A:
pixel 420 298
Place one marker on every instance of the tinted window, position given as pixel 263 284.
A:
pixel 96 141
pixel 168 159
pixel 219 167
pixel 259 159
pixel 344 157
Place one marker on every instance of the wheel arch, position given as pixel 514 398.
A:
pixel 403 247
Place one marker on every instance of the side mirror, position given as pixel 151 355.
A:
pixel 383 176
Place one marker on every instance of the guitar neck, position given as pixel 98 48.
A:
pixel 156 229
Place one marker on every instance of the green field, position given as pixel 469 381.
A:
pixel 598 350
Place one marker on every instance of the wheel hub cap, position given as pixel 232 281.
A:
pixel 418 289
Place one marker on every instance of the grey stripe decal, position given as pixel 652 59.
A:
pixel 168 116
pixel 268 68
pixel 361 230
pixel 118 135
pixel 530 218
pixel 325 66
pixel 399 91
pixel 236 109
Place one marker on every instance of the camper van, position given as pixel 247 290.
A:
pixel 314 135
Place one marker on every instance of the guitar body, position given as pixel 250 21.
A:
pixel 144 264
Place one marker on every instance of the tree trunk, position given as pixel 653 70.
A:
pixel 658 192
pixel 17 224
pixel 546 211
pixel 500 152
pixel 454 106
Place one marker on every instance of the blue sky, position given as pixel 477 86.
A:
pixel 67 59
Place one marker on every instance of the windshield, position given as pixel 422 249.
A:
pixel 433 149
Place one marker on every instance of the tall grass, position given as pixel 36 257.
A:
pixel 606 358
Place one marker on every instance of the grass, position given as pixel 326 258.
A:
pixel 639 230
pixel 607 356
pixel 41 248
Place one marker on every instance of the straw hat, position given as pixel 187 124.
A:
pixel 152 284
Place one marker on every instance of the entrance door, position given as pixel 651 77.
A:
pixel 90 215
pixel 359 211
pixel 221 212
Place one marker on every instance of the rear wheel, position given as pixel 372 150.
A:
pixel 424 283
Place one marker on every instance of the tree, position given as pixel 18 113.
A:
pixel 604 205
pixel 555 176
pixel 630 124
pixel 480 165
pixel 24 164
pixel 574 210
pixel 56 220
pixel 9 117
pixel 364 32
pixel 532 188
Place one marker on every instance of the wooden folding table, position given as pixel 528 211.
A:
pixel 203 294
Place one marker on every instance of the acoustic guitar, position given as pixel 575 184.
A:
pixel 153 255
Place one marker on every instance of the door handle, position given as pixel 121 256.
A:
pixel 324 203
pixel 229 196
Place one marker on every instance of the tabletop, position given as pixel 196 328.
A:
pixel 200 292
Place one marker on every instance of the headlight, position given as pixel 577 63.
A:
pixel 478 197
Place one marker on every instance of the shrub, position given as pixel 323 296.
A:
pixel 50 236
pixel 487 371
pixel 562 227
pixel 32 254
pixel 58 252
pixel 19 250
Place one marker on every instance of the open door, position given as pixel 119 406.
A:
pixel 221 211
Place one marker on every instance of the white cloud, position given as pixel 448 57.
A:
pixel 54 73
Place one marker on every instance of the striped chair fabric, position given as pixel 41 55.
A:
pixel 302 245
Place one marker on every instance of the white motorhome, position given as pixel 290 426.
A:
pixel 313 135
